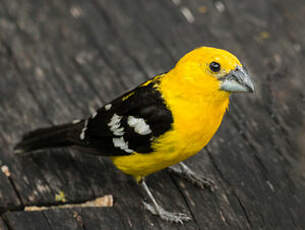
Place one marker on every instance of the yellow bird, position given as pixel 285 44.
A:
pixel 160 123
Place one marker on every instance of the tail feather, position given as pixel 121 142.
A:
pixel 52 137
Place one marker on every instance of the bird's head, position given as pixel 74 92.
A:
pixel 212 71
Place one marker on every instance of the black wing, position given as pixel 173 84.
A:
pixel 129 123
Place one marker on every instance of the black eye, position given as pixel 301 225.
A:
pixel 215 67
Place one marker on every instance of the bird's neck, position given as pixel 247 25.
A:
pixel 208 101
pixel 196 114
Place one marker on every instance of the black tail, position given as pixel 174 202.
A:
pixel 52 137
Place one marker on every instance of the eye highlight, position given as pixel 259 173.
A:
pixel 215 66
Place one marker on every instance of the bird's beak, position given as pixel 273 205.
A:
pixel 237 81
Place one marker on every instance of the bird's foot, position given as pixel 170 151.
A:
pixel 188 174
pixel 174 217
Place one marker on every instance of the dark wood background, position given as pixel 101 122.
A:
pixel 59 60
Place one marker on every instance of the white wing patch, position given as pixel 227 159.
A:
pixel 122 144
pixel 107 107
pixel 139 125
pixel 115 125
pixel 93 115
pixel 76 121
pixel 82 135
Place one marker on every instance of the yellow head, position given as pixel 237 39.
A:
pixel 210 71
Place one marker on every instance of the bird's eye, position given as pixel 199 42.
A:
pixel 214 66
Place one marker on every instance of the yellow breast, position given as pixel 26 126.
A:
pixel 196 120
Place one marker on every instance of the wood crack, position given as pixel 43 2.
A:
pixel 244 210
pixel 103 201
pixel 47 220
pixel 7 223
pixel 185 200
pixel 10 179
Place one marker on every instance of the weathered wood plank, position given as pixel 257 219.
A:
pixel 20 220
pixel 8 197
pixel 59 60
pixel 88 218
pixel 2 225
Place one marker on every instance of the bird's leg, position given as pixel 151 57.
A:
pixel 184 171
pixel 156 209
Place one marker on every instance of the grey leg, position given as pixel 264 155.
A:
pixel 184 171
pixel 156 209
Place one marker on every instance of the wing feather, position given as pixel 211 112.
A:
pixel 129 123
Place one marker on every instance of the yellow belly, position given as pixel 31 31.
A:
pixel 184 141
pixel 140 165
pixel 196 119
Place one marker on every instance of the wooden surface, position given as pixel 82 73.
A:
pixel 59 60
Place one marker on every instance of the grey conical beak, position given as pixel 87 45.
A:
pixel 237 81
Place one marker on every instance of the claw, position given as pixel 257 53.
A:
pixel 174 217
pixel 200 181
pixel 203 183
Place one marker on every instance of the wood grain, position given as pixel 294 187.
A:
pixel 60 60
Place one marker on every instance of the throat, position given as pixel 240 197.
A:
pixel 201 109
pixel 197 122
